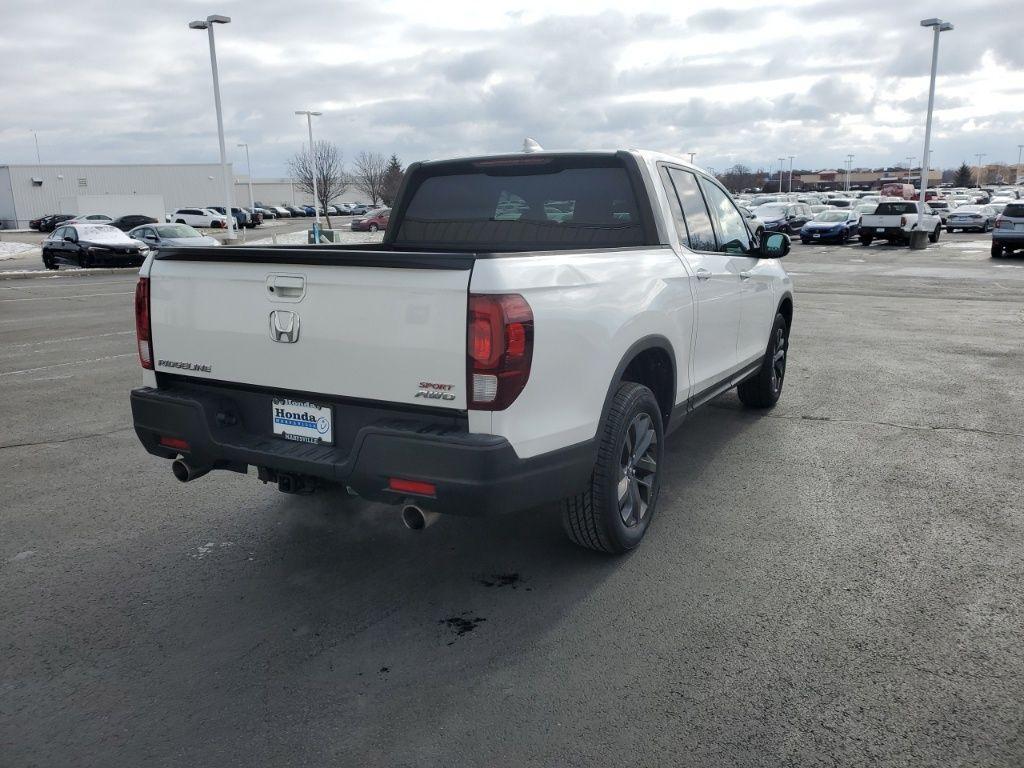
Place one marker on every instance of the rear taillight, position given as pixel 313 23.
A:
pixel 903 221
pixel 500 349
pixel 142 329
pixel 1002 223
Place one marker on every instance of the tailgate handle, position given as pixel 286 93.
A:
pixel 286 287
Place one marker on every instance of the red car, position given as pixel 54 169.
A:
pixel 375 220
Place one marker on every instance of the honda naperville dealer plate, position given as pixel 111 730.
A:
pixel 302 421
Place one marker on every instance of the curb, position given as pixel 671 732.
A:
pixel 51 275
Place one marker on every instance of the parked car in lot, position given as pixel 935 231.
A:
pixel 242 217
pixel 50 222
pixel 281 211
pixel 267 213
pixel 864 209
pixel 89 245
pixel 157 236
pixel 539 388
pixel 378 219
pixel 91 218
pixel 125 223
pixel 296 210
pixel 199 217
pixel 834 226
pixel 972 218
pixel 783 217
pixel 940 208
pixel 894 220
pixel 1008 235
pixel 255 215
pixel 360 209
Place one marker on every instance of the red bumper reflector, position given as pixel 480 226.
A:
pixel 174 442
pixel 412 486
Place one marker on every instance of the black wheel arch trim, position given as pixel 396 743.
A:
pixel 653 341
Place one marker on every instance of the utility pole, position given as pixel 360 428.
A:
pixel 248 170
pixel 229 217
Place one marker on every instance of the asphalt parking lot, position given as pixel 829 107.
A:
pixel 839 581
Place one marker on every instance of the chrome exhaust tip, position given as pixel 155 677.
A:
pixel 185 472
pixel 416 519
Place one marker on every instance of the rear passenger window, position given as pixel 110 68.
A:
pixel 732 230
pixel 695 211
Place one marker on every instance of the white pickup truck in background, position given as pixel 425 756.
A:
pixel 894 220
pixel 530 329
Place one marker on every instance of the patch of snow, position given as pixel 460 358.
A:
pixel 10 249
pixel 301 237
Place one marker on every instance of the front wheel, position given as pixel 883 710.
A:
pixel 934 236
pixel 763 389
pixel 949 230
pixel 374 227
pixel 613 513
pixel 865 239
pixel 48 261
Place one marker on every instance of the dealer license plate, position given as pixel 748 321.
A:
pixel 817 235
pixel 880 229
pixel 302 421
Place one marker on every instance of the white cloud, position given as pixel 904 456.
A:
pixel 735 83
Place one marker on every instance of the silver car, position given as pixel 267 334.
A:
pixel 1008 235
pixel 979 218
pixel 167 235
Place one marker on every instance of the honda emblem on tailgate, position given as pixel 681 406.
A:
pixel 284 326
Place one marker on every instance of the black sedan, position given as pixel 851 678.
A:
pixel 126 223
pixel 50 222
pixel 90 245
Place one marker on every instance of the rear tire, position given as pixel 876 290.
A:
pixel 997 250
pixel 613 513
pixel 374 227
pixel 949 230
pixel 934 236
pixel 48 261
pixel 865 239
pixel 763 389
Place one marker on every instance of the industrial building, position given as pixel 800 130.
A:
pixel 30 191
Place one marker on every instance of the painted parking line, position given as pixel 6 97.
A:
pixel 68 339
pixel 64 365
pixel 65 298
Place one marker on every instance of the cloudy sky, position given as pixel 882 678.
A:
pixel 127 81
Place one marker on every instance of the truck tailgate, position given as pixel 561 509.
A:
pixel 384 333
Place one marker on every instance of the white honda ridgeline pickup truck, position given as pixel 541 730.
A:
pixel 530 329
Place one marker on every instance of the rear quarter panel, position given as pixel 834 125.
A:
pixel 589 308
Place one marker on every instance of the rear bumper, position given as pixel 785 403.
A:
pixel 1008 237
pixel 886 233
pixel 474 474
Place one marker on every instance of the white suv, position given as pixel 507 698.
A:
pixel 199 217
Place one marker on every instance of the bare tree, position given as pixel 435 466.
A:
pixel 370 174
pixel 327 164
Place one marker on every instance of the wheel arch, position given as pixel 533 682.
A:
pixel 786 309
pixel 650 361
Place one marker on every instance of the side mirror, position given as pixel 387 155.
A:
pixel 774 245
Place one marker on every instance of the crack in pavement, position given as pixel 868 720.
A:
pixel 866 423
pixel 67 439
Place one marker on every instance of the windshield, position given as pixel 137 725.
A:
pixel 770 211
pixel 831 216
pixel 177 230
pixel 532 203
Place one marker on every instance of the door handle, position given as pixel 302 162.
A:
pixel 703 274
pixel 746 275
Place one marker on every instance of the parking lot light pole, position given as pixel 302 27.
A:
pixel 312 170
pixel 782 172
pixel 208 26
pixel 1020 149
pixel 849 168
pixel 248 170
pixel 938 27
pixel 791 172
pixel 978 180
